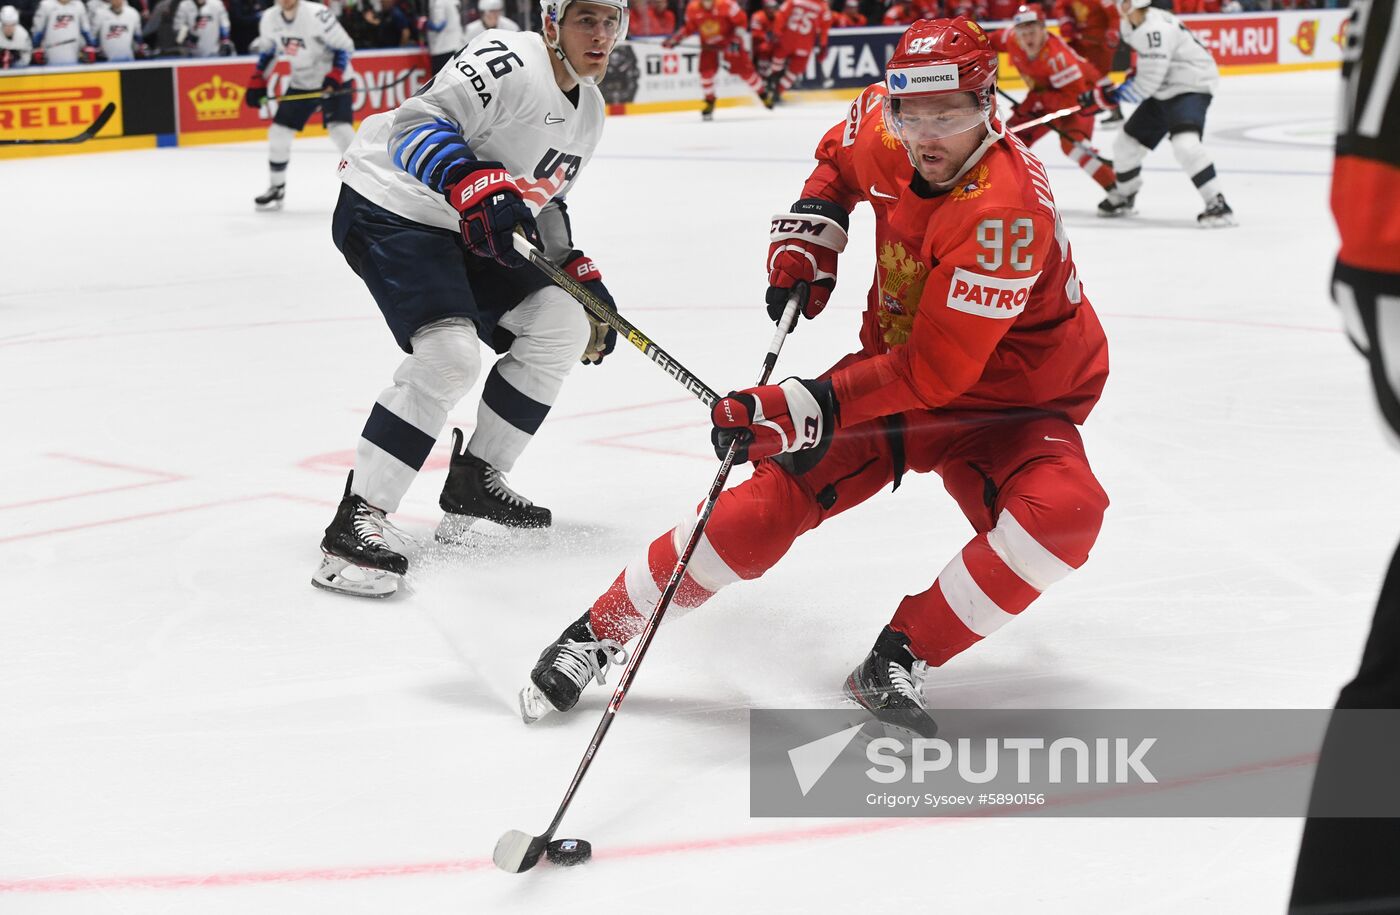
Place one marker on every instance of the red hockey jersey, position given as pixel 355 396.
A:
pixel 716 25
pixel 975 304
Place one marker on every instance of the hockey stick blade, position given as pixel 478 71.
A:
pixel 88 133
pixel 517 852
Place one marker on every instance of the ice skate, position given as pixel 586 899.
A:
pixel 1117 204
pixel 564 669
pixel 1217 215
pixel 476 490
pixel 889 684
pixel 271 199
pixel 708 112
pixel 358 560
pixel 1115 116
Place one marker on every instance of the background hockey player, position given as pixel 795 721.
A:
pixel 318 50
pixel 492 17
pixel 1055 77
pixel 15 44
pixel 202 28
pixel 433 194
pixel 1348 865
pixel 850 16
pixel 979 356
pixel 118 29
pixel 801 26
pixel 724 34
pixel 443 29
pixel 1090 28
pixel 62 34
pixel 1173 83
pixel 764 39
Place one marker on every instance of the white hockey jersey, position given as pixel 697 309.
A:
pixel 500 97
pixel 1171 60
pixel 15 50
pixel 445 27
pixel 476 27
pixel 62 29
pixel 205 23
pixel 312 42
pixel 96 6
pixel 117 33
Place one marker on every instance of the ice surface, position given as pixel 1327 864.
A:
pixel 187 726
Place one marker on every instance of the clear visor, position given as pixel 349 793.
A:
pixel 932 118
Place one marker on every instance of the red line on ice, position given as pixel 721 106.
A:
pixel 716 843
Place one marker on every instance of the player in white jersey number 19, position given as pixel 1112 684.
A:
pixel 433 195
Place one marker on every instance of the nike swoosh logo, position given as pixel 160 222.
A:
pixel 875 193
pixel 1065 440
pixel 551 119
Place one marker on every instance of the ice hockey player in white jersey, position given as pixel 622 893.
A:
pixel 492 17
pixel 118 29
pixel 1174 82
pixel 62 33
pixel 15 46
pixel 202 26
pixel 444 30
pixel 319 51
pixel 433 195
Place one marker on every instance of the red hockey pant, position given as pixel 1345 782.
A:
pixel 1021 478
pixel 1075 132
pixel 790 58
pixel 738 64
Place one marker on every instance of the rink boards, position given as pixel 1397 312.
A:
pixel 187 102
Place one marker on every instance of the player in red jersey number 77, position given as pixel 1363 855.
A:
pixel 979 357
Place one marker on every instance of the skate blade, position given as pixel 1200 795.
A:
pixel 533 704
pixel 1216 222
pixel 344 577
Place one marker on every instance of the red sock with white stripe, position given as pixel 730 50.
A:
pixel 621 612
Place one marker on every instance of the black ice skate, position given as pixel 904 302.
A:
pixel 271 199
pixel 1117 204
pixel 358 560
pixel 889 684
pixel 474 489
pixel 708 112
pixel 565 668
pixel 1217 215
pixel 1115 116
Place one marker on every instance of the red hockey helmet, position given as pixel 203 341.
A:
pixel 939 56
pixel 1028 13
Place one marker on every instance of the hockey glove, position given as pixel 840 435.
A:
pixel 88 54
pixel 225 47
pixel 670 42
pixel 794 417
pixel 333 81
pixel 491 207
pixel 803 247
pixel 257 91
pixel 38 58
pixel 602 339
pixel 1106 95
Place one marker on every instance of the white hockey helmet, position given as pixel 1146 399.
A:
pixel 1135 4
pixel 9 15
pixel 490 6
pixel 552 11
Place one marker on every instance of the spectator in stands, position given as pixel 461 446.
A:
pixel 900 12
pixel 395 28
pixel 850 16
pixel 492 17
pixel 1188 7
pixel 158 33
pixel 651 17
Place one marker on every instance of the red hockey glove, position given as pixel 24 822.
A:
pixel 38 58
pixel 794 417
pixel 670 41
pixel 491 207
pixel 803 248
pixel 88 54
pixel 602 338
pixel 333 81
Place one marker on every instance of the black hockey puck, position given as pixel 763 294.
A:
pixel 568 852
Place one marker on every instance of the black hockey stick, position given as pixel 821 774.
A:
pixel 88 133
pixel 625 328
pixel 343 90
pixel 517 851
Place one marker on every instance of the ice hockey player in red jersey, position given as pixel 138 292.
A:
pixel 1056 77
pixel 979 357
pixel 764 41
pixel 850 16
pixel 724 33
pixel 1090 28
pixel 802 26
